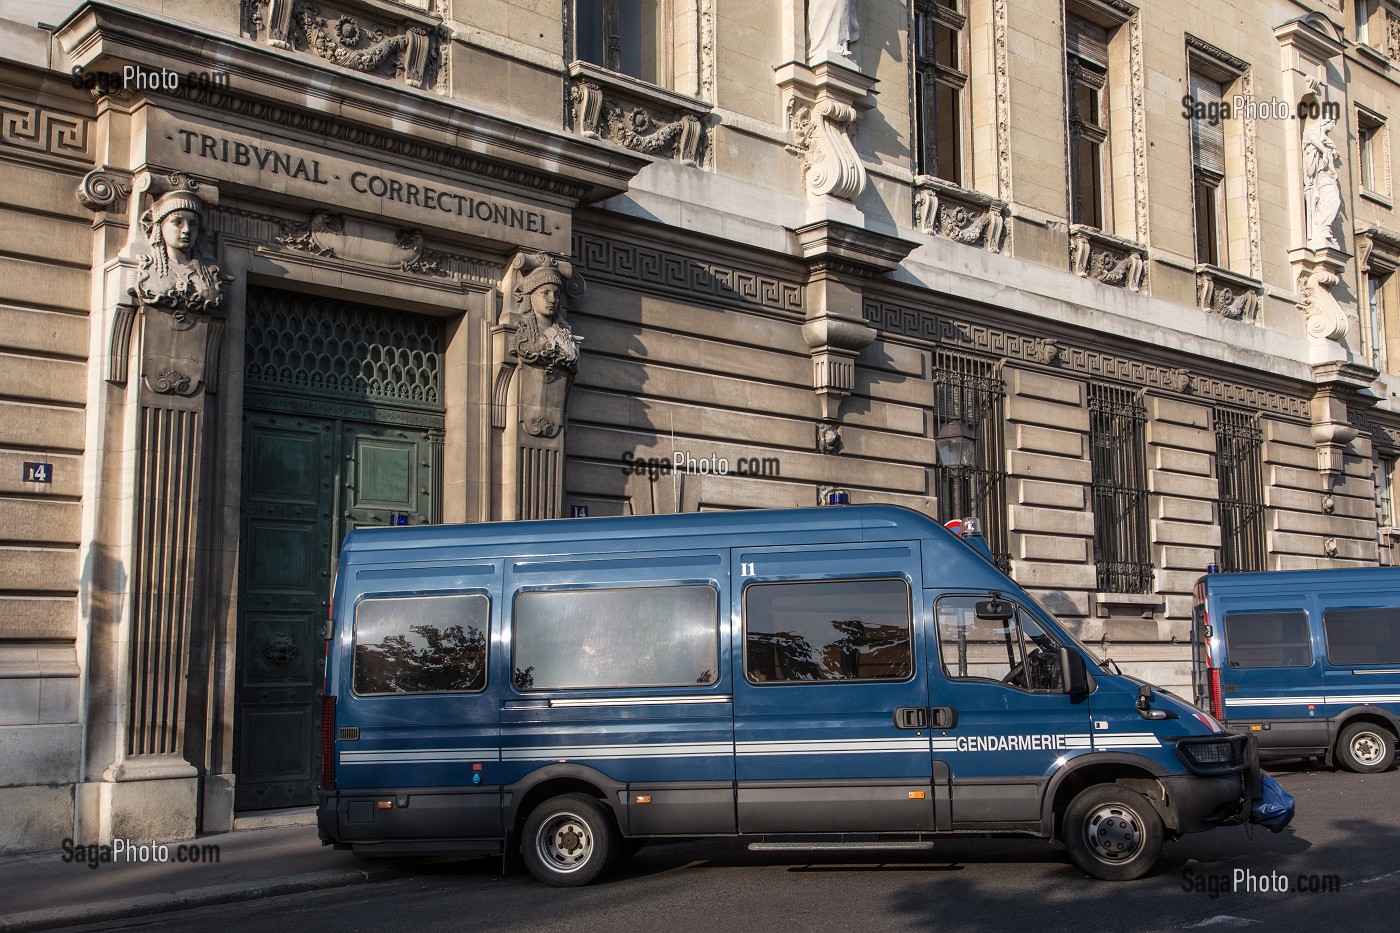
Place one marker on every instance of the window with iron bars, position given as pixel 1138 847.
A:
pixel 1118 456
pixel 969 389
pixel 1240 470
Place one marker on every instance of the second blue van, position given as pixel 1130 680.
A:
pixel 823 678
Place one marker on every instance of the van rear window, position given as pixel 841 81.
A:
pixel 420 644
pixel 652 636
pixel 1363 636
pixel 827 631
pixel 1268 639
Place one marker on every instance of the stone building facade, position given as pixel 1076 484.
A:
pixel 273 269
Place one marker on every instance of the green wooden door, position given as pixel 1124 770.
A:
pixel 342 428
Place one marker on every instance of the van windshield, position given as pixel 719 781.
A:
pixel 1106 665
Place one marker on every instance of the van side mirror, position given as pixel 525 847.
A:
pixel 994 610
pixel 1076 675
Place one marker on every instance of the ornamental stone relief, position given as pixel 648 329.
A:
pixel 356 37
pixel 950 211
pixel 1107 259
pixel 635 126
pixel 1231 296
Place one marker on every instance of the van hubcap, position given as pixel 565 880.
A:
pixel 564 842
pixel 1367 748
pixel 1114 833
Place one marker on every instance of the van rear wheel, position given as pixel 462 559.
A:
pixel 1366 748
pixel 568 841
pixel 1113 833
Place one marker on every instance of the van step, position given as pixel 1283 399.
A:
pixel 833 846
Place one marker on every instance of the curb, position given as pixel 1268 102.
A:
pixel 149 904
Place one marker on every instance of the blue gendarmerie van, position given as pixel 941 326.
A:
pixel 1307 661
pixel 812 678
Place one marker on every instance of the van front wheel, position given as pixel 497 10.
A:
pixel 568 841
pixel 1366 748
pixel 1113 833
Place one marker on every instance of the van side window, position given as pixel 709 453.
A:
pixel 1268 639
pixel 827 630
pixel 1363 636
pixel 1015 651
pixel 654 636
pixel 421 644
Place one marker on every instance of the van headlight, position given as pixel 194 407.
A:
pixel 1213 754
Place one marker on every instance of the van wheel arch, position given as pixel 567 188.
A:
pixel 1130 771
pixel 571 780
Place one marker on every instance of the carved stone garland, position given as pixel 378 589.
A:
pixel 598 116
pixel 414 53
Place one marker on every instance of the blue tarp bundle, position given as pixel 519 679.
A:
pixel 1274 808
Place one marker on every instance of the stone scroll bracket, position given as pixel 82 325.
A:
pixel 840 258
pixel 1320 295
pixel 823 104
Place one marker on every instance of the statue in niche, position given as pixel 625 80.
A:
pixel 547 347
pixel 1321 183
pixel 831 29
pixel 179 288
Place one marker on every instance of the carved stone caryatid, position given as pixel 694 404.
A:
pixel 177 291
pixel 536 357
pixel 1107 259
pixel 948 210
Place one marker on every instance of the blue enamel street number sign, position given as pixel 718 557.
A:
pixel 38 472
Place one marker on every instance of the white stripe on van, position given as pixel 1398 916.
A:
pixel 1273 701
pixel 1127 740
pixel 636 701
pixel 361 757
pixel 1366 698
pixel 563 752
pixel 833 747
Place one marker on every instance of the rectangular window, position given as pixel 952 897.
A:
pixel 1362 636
pixel 1373 321
pixel 1385 490
pixel 1086 63
pixel 1208 164
pixel 1118 456
pixel 969 400
pixel 657 636
pixel 1364 11
pixel 1268 639
pixel 1367 151
pixel 1015 651
pixel 1240 473
pixel 827 630
pixel 420 644
pixel 940 84
pixel 623 36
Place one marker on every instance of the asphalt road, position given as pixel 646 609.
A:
pixel 1345 842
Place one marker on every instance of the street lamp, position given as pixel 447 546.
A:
pixel 956 447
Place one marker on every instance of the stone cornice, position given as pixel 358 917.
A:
pixel 314 98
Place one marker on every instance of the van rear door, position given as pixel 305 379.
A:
pixel 830 708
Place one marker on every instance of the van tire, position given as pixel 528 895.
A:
pixel 569 840
pixel 1366 748
pixel 1112 832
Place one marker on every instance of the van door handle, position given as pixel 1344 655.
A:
pixel 944 717
pixel 911 717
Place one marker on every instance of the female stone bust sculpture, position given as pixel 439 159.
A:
pixel 173 275
pixel 1321 162
pixel 543 338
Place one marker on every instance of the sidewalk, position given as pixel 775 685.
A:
pixel 41 891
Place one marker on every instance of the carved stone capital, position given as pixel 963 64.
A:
pixel 104 190
pixel 1107 258
pixel 944 209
